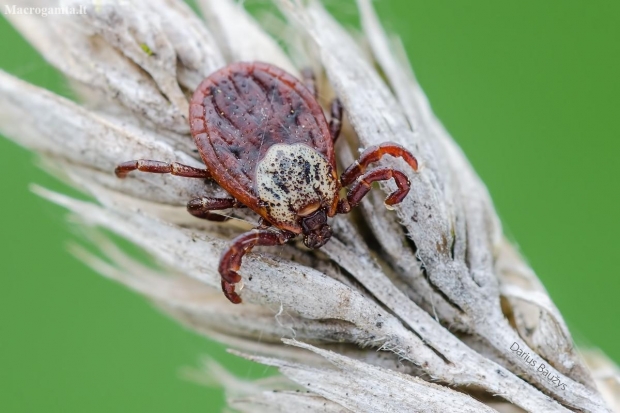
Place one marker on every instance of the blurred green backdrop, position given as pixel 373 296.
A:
pixel 530 91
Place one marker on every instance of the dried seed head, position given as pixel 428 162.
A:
pixel 428 298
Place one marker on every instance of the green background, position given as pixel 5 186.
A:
pixel 530 91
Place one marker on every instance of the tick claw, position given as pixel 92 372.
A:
pixel 229 292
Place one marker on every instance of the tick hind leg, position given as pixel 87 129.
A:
pixel 373 154
pixel 202 207
pixel 335 120
pixel 230 262
pixel 363 185
pixel 309 79
pixel 158 167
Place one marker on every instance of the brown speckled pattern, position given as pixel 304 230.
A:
pixel 295 180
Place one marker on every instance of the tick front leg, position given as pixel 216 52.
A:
pixel 362 186
pixel 231 258
pixel 158 167
pixel 202 207
pixel 335 121
pixel 373 154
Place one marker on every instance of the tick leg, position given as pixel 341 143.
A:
pixel 373 154
pixel 362 186
pixel 309 79
pixel 263 223
pixel 335 121
pixel 202 207
pixel 343 206
pixel 231 258
pixel 158 167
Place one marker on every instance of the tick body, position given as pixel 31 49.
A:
pixel 264 138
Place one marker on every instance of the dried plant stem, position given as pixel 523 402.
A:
pixel 418 308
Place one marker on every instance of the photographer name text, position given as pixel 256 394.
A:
pixel 540 368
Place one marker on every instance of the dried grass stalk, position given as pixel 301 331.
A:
pixel 420 324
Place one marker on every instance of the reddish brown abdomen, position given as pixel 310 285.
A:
pixel 239 112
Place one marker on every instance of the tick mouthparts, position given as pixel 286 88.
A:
pixel 319 237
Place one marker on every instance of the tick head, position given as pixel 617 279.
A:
pixel 316 231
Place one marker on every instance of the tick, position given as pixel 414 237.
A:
pixel 264 138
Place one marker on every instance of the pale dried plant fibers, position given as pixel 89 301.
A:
pixel 425 321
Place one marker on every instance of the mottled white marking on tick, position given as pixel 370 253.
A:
pixel 293 179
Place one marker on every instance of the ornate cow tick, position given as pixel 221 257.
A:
pixel 265 140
